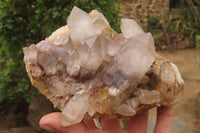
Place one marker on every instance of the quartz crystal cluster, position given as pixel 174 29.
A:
pixel 87 70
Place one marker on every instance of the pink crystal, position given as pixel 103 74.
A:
pixel 89 71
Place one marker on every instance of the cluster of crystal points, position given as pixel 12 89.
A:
pixel 88 70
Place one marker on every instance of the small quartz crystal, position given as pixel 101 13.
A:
pixel 87 70
pixel 130 28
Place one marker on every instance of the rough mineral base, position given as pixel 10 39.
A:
pixel 87 70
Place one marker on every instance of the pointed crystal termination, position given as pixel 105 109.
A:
pixel 75 110
pixel 80 30
pixel 87 70
pixel 130 28
pixel 99 21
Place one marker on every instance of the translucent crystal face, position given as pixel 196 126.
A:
pixel 88 70
pixel 130 28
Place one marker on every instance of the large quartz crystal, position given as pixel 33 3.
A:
pixel 87 70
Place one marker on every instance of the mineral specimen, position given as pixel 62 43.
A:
pixel 87 70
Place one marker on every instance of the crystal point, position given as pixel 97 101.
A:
pixel 80 25
pixel 130 28
pixel 99 21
